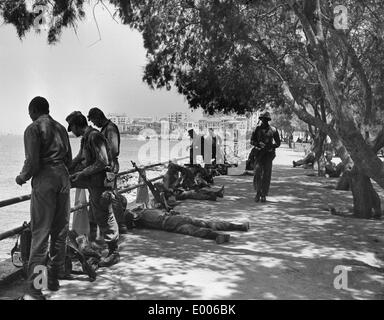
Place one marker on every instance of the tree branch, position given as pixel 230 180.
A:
pixel 359 69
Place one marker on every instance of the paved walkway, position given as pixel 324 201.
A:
pixel 290 252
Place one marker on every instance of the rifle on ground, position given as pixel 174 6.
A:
pixel 89 262
pixel 156 194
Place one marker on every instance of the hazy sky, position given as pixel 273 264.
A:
pixel 73 75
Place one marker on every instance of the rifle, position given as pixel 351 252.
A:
pixel 89 262
pixel 156 194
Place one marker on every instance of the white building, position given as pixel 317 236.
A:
pixel 121 120
pixel 143 119
pixel 177 117
pixel 189 124
pixel 215 123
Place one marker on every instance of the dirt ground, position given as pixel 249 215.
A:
pixel 290 252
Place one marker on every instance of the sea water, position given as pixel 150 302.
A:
pixel 11 163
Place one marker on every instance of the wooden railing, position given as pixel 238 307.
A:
pixel 18 230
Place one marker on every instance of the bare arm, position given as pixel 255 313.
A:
pixel 113 140
pixel 76 161
pixel 101 162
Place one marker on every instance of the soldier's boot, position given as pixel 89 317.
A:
pixel 244 227
pixel 65 273
pixel 92 232
pixel 32 293
pixel 222 238
pixel 263 199
pixel 29 296
pixel 257 197
pixel 53 280
pixel 211 197
pixel 123 228
pixel 220 193
pixel 112 258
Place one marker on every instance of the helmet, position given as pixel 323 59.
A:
pixel 265 115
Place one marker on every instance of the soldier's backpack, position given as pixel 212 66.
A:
pixel 250 163
pixel 20 252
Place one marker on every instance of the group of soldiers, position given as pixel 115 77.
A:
pixel 53 171
pixel 193 182
pixel 49 162
pixel 181 183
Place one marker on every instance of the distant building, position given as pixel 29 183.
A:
pixel 179 121
pixel 134 129
pixel 177 117
pixel 214 124
pixel 142 119
pixel 189 124
pixel 174 126
pixel 203 125
pixel 121 120
pixel 217 123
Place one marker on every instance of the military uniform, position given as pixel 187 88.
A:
pixel 333 170
pixel 265 139
pixel 48 153
pixel 94 150
pixel 111 132
pixel 308 160
pixel 202 194
pixel 157 219
pixel 191 181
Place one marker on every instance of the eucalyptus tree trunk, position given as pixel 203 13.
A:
pixel 366 163
pixel 366 201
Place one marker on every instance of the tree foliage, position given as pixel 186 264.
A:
pixel 227 55
pixel 62 14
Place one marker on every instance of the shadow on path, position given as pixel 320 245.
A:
pixel 290 252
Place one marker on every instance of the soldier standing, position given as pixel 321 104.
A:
pixel 265 139
pixel 94 151
pixel 111 132
pixel 48 154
